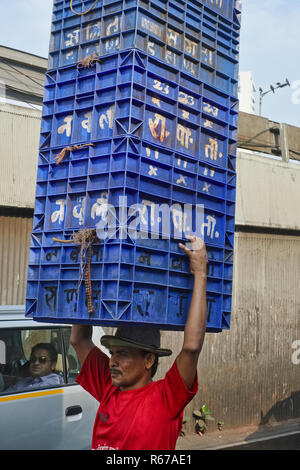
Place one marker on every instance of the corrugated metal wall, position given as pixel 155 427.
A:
pixel 246 374
pixel 14 250
pixel 19 139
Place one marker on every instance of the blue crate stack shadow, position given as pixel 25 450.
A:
pixel 140 105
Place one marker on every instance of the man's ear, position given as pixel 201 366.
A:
pixel 149 360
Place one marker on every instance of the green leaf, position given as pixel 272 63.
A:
pixel 205 410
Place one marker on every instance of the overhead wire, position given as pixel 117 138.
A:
pixel 257 135
pixel 20 72
pixel 22 91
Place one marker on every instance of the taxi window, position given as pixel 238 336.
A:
pixel 31 359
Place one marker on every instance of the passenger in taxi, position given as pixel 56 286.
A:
pixel 41 370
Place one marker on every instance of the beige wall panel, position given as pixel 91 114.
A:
pixel 14 250
pixel 268 192
pixel 19 139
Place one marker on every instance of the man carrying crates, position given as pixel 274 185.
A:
pixel 136 413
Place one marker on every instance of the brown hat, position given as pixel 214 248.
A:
pixel 147 339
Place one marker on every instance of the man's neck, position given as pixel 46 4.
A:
pixel 140 384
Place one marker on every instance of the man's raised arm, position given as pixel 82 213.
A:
pixel 195 327
pixel 81 340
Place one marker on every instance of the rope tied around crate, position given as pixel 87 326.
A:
pixel 85 238
pixel 83 12
pixel 88 61
pixel 61 155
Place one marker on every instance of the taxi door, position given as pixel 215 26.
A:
pixel 58 416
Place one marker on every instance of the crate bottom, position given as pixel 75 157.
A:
pixel 109 323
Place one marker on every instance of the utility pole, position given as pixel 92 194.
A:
pixel 272 88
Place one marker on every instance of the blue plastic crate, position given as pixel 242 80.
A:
pixel 198 38
pixel 122 271
pixel 135 283
pixel 66 199
pixel 141 97
pixel 156 128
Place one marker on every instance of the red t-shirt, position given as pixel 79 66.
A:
pixel 147 418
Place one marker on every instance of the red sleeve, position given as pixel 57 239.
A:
pixel 94 376
pixel 177 394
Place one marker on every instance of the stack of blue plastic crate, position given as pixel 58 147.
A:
pixel 159 111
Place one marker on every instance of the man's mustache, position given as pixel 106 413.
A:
pixel 115 371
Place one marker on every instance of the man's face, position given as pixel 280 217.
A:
pixel 129 368
pixel 40 363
